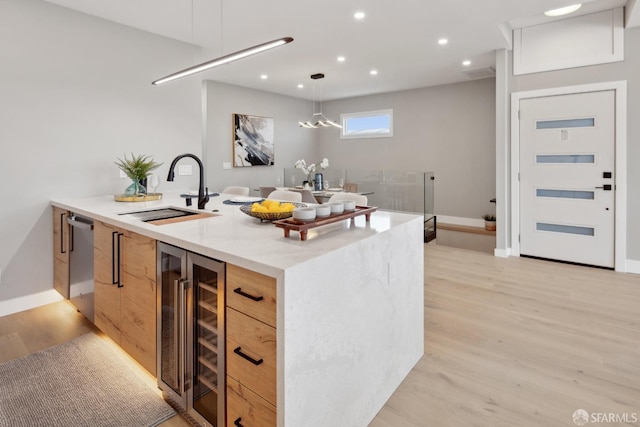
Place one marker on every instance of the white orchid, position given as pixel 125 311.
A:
pixel 309 169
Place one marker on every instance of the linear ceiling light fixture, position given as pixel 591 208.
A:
pixel 321 120
pixel 563 10
pixel 224 60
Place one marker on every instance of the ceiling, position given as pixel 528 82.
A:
pixel 397 38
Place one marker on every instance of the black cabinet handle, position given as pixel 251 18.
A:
pixel 246 295
pixel 62 251
pixel 238 351
pixel 114 280
pixel 72 239
pixel 115 240
pixel 119 251
pixel 238 423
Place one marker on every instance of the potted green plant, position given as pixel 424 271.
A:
pixel 137 168
pixel 489 222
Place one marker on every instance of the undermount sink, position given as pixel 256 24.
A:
pixel 167 215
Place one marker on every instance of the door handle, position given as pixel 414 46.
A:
pixel 605 187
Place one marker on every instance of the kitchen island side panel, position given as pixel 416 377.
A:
pixel 352 329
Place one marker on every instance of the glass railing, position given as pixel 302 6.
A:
pixel 403 191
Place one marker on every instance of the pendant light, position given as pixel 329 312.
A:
pixel 319 118
pixel 216 62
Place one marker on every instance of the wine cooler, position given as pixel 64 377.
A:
pixel 191 338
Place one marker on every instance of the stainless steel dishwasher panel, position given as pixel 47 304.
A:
pixel 81 283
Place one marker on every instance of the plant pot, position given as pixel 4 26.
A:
pixel 489 225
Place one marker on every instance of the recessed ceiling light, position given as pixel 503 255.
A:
pixel 358 15
pixel 300 86
pixel 263 77
pixel 373 72
pixel 563 10
pixel 443 41
pixel 466 63
pixel 341 58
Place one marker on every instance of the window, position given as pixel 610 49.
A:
pixel 370 124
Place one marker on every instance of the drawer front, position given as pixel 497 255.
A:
pixel 252 293
pixel 251 354
pixel 246 408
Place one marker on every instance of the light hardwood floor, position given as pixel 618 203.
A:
pixel 508 342
pixel 520 342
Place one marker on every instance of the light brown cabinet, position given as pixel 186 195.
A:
pixel 61 242
pixel 125 291
pixel 251 348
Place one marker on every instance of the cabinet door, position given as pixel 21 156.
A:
pixel 138 298
pixel 61 252
pixel 251 354
pixel 246 408
pixel 252 293
pixel 106 271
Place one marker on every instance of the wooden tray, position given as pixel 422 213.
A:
pixel 138 197
pixel 304 226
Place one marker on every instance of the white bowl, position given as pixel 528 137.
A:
pixel 304 214
pixel 337 207
pixel 349 205
pixel 323 211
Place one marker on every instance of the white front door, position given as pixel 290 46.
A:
pixel 567 177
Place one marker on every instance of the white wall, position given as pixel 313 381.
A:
pixel 448 130
pixel 629 71
pixel 75 94
pixel 290 141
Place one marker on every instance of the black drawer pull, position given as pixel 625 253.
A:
pixel 238 351
pixel 238 423
pixel 246 295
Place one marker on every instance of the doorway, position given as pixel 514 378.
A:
pixel 568 175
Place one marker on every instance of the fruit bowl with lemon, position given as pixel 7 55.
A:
pixel 271 210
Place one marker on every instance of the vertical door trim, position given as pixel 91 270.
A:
pixel 620 90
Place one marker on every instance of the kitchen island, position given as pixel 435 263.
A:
pixel 349 300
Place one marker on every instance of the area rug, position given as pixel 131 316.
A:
pixel 79 383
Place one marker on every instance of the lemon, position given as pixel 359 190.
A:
pixel 257 207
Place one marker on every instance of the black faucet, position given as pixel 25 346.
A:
pixel 203 194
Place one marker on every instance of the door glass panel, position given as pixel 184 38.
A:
pixel 569 229
pixel 570 123
pixel 205 345
pixel 565 158
pixel 565 194
pixel 170 329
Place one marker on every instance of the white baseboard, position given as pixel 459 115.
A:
pixel 633 266
pixel 502 253
pixel 458 220
pixel 28 302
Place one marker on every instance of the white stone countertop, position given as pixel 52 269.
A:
pixel 233 236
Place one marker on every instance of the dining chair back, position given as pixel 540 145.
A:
pixel 307 197
pixel 285 195
pixel 238 191
pixel 360 199
pixel 265 191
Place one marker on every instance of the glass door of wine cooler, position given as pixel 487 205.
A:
pixel 172 336
pixel 207 341
pixel 191 333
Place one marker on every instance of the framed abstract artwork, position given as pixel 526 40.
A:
pixel 252 140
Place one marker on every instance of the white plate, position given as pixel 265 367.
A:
pixel 335 189
pixel 245 199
